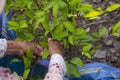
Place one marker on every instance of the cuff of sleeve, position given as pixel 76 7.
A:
pixel 56 58
pixel 3 43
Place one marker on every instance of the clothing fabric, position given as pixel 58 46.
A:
pixel 56 70
pixel 3 47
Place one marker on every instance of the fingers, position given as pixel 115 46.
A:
pixel 54 47
pixel 50 42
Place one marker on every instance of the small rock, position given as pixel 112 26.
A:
pixel 113 50
pixel 114 58
pixel 88 29
pixel 118 54
pixel 100 54
pixel 109 42
pixel 116 44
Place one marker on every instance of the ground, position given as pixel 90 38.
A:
pixel 110 51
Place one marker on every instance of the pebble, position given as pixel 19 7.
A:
pixel 116 44
pixel 100 54
pixel 109 42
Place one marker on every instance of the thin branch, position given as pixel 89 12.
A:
pixel 102 21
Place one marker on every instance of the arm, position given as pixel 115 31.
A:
pixel 57 66
pixel 8 47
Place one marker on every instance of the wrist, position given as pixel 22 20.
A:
pixel 12 48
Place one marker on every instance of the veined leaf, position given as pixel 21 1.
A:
pixel 27 62
pixel 86 54
pixel 87 47
pixel 45 54
pixel 13 25
pixel 102 32
pixel 36 24
pixel 115 27
pixel 70 39
pixel 15 60
pixel 77 61
pixel 49 5
pixel 75 71
pixel 23 24
pixel 93 14
pixel 55 10
pixel 69 26
pixel 59 33
pixel 80 31
pixel 74 2
pixel 113 7
pixel 72 69
pixel 29 53
pixel 26 73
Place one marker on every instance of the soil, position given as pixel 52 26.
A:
pixel 110 51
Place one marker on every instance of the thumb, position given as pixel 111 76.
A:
pixel 21 52
pixel 50 42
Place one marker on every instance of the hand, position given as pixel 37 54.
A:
pixel 19 48
pixel 36 49
pixel 55 47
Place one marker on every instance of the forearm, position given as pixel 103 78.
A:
pixel 11 47
pixel 8 47
pixel 57 68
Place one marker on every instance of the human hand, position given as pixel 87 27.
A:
pixel 55 47
pixel 19 48
pixel 36 49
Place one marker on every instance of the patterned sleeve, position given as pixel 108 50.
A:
pixel 3 47
pixel 57 68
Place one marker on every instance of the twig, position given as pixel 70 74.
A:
pixel 102 21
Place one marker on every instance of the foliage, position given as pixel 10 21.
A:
pixel 27 63
pixel 56 19
pixel 115 29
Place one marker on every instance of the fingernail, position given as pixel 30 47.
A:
pixel 49 39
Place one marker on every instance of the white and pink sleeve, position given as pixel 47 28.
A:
pixel 57 68
pixel 3 47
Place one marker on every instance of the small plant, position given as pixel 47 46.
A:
pixel 56 19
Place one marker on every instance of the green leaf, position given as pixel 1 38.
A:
pixel 69 26
pixel 39 14
pixel 27 62
pixel 36 24
pixel 29 53
pixel 49 5
pixel 102 32
pixel 87 47
pixel 26 73
pixel 45 54
pixel 72 69
pixel 59 34
pixel 45 24
pixel 70 39
pixel 77 61
pixel 115 27
pixel 23 24
pixel 29 13
pixel 13 25
pixel 113 7
pixel 86 54
pixel 15 60
pixel 74 2
pixel 85 8
pixel 93 14
pixel 69 69
pixel 75 71
pixel 55 10
pixel 65 43
pixel 80 31
pixel 116 34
